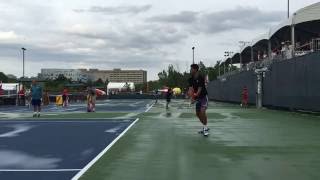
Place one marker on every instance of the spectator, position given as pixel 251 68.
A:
pixel 168 97
pixel 36 95
pixel 46 99
pixel 245 97
pixel 65 97
pixel 22 97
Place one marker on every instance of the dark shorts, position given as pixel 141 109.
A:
pixel 202 104
pixel 168 100
pixel 36 102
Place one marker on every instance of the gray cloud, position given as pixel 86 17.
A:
pixel 114 35
pixel 41 55
pixel 116 10
pixel 138 37
pixel 239 18
pixel 222 21
pixel 130 51
pixel 183 17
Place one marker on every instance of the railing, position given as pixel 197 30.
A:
pixel 312 46
pixel 315 45
pixel 230 73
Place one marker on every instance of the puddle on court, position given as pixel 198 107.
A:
pixel 168 114
pixel 86 153
pixel 210 115
pixel 21 160
pixel 11 115
pixel 127 116
pixel 113 130
pixel 16 130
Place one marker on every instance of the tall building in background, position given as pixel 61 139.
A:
pixel 115 75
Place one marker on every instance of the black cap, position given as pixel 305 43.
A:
pixel 195 66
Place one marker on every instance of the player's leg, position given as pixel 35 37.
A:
pixel 246 103
pixel 94 99
pixel 202 108
pixel 33 102
pixel 88 103
pixel 38 107
pixel 204 120
pixel 64 100
pixel 198 113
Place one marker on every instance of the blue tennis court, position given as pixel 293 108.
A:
pixel 101 106
pixel 55 149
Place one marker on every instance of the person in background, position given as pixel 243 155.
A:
pixel 91 99
pixel 46 99
pixel 156 94
pixel 265 55
pixel 28 97
pixel 245 97
pixel 22 97
pixel 65 97
pixel 36 95
pixel 168 97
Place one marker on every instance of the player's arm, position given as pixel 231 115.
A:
pixel 190 88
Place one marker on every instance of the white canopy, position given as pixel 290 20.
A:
pixel 309 13
pixel 260 38
pixel 120 85
pixel 10 86
pixel 283 24
pixel 255 41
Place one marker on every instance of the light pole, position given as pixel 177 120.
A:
pixel 224 64
pixel 219 67
pixel 288 9
pixel 193 55
pixel 23 50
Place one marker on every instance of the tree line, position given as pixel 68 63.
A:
pixel 171 77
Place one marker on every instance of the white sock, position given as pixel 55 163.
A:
pixel 205 127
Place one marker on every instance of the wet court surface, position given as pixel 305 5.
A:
pixel 63 141
pixel 55 149
pixel 243 144
pixel 136 106
pixel 165 144
pixel 107 105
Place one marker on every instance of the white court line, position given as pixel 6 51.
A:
pixel 76 121
pixel 86 168
pixel 53 118
pixel 39 170
pixel 147 110
pixel 91 163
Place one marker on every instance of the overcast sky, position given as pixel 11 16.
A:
pixel 129 34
